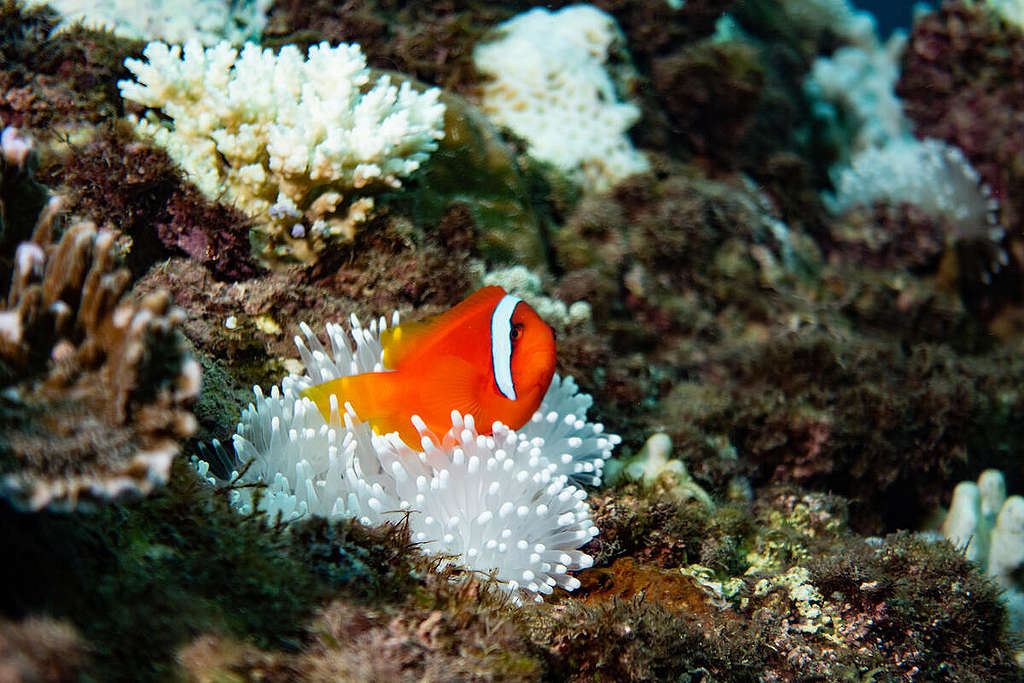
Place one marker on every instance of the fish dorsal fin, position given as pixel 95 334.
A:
pixel 423 338
pixel 399 342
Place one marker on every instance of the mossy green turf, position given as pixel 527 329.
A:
pixel 141 579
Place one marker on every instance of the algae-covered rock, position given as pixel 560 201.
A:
pixel 474 166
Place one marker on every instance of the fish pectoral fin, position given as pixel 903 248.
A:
pixel 452 383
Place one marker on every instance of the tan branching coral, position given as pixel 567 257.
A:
pixel 101 385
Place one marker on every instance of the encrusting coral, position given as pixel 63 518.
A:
pixel 98 387
pixel 775 591
pixel 551 86
pixel 510 503
pixel 292 142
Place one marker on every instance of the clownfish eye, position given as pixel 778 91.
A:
pixel 515 332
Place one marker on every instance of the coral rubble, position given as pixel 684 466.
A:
pixel 125 183
pixel 54 82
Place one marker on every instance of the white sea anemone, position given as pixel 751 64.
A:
pixel 510 502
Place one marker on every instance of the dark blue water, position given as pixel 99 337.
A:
pixel 891 14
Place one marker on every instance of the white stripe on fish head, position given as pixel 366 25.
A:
pixel 501 345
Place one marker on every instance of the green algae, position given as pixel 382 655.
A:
pixel 140 579
pixel 475 167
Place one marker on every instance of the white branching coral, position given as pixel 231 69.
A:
pixel 508 502
pixel 208 21
pixel 861 80
pixel 289 140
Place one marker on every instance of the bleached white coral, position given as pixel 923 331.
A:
pixel 654 466
pixel 862 80
pixel 887 162
pixel 989 526
pixel 503 502
pixel 289 140
pixel 927 173
pixel 551 86
pixel 208 21
pixel 1011 11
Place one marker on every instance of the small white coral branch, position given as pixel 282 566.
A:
pixel 989 527
pixel 507 502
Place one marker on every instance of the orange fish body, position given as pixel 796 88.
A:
pixel 491 356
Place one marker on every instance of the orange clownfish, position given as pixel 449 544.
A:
pixel 491 356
